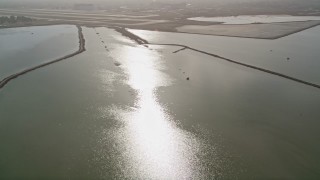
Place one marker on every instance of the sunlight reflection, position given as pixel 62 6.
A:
pixel 156 148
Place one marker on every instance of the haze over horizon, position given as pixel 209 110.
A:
pixel 204 3
pixel 173 1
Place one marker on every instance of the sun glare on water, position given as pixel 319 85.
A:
pixel 156 148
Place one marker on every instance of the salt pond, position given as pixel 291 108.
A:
pixel 302 49
pixel 256 19
pixel 21 48
pixel 124 111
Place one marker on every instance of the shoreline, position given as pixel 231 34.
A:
pixel 81 49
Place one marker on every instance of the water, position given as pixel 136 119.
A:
pixel 256 19
pixel 87 117
pixel 302 49
pixel 21 48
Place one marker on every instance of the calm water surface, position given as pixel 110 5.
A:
pixel 24 47
pixel 302 49
pixel 124 111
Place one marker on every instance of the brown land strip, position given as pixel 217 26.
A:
pixel 130 35
pixel 165 22
pixel 81 49
pixel 298 30
pixel 180 50
pixel 317 23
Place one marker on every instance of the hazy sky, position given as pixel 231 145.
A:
pixel 151 0
pixel 132 1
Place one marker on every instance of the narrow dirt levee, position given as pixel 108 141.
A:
pixel 124 32
pixel 81 49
